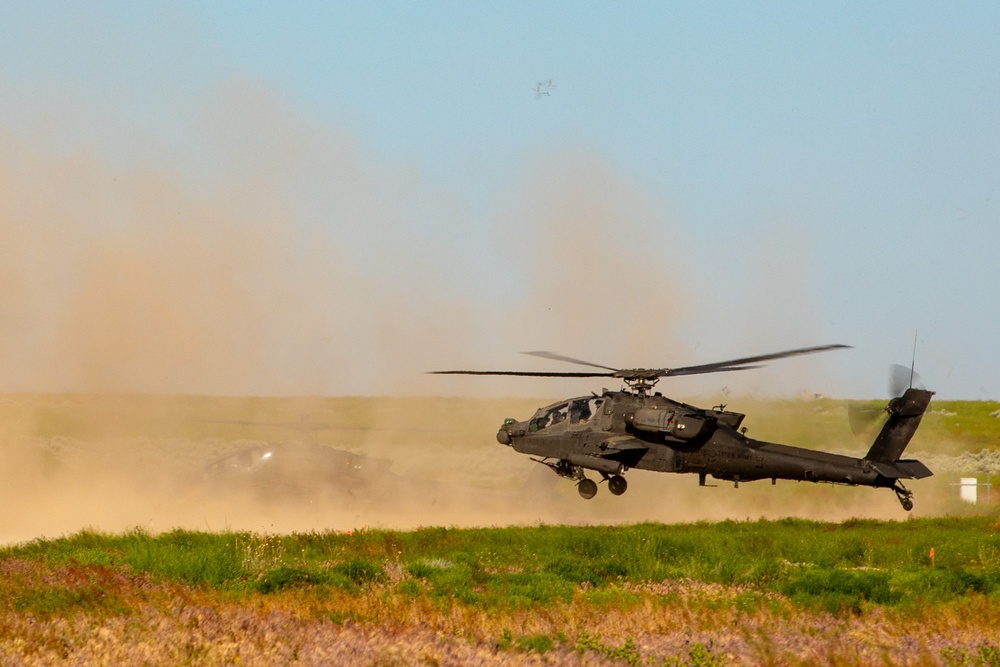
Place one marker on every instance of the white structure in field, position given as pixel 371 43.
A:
pixel 967 489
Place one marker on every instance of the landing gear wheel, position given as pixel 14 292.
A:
pixel 904 495
pixel 617 485
pixel 587 488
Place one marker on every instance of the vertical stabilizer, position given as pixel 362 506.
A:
pixel 905 413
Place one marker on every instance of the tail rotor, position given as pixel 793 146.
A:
pixel 866 418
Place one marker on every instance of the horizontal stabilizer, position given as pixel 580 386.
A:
pixel 916 469
pixel 902 469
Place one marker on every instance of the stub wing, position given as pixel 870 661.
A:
pixel 622 450
pixel 621 444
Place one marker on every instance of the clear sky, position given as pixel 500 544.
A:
pixel 335 197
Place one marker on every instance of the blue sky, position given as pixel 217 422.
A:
pixel 333 197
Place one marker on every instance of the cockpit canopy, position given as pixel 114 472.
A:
pixel 573 412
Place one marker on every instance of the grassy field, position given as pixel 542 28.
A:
pixel 121 553
pixel 761 592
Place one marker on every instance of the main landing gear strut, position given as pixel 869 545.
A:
pixel 587 488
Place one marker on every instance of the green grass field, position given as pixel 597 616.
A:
pixel 785 592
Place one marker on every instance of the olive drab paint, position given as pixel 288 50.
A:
pixel 616 431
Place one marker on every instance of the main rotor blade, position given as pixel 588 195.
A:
pixel 540 374
pixel 560 357
pixel 699 370
pixel 743 363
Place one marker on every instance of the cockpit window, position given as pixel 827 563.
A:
pixel 583 409
pixel 538 423
pixel 559 414
pixel 577 411
pixel 550 417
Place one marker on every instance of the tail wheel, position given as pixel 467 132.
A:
pixel 587 488
pixel 904 495
pixel 617 485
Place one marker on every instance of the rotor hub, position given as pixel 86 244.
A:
pixel 641 385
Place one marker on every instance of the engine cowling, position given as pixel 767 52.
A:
pixel 683 426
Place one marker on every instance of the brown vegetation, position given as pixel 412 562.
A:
pixel 112 616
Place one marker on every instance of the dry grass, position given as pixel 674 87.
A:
pixel 120 618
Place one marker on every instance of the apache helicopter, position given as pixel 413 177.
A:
pixel 615 431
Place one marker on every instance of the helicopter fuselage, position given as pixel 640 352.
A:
pixel 618 431
pixel 636 428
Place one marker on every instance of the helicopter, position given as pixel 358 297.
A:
pixel 615 431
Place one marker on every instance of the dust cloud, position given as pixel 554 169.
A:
pixel 593 276
pixel 141 287
pixel 115 462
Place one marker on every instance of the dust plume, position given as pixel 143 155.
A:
pixel 112 462
pixel 597 271
pixel 778 303
pixel 279 259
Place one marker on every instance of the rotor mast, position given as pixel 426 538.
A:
pixel 640 382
